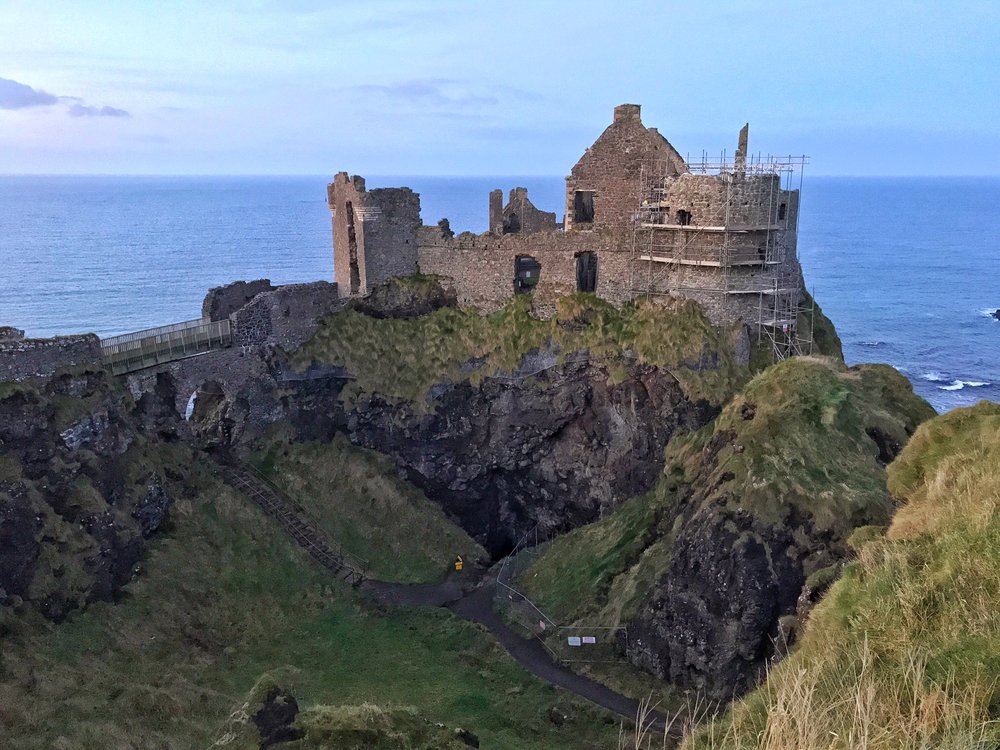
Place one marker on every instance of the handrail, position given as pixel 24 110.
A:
pixel 140 349
pixel 361 563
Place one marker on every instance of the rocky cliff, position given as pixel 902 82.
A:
pixel 80 491
pixel 713 571
pixel 509 422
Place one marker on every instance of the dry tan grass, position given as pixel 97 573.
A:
pixel 904 652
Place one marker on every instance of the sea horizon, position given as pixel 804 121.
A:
pixel 901 286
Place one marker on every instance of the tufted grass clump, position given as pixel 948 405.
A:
pixel 904 651
pixel 401 360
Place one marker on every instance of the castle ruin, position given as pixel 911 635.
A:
pixel 640 221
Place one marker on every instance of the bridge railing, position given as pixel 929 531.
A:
pixel 153 346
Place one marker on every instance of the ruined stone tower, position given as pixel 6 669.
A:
pixel 374 233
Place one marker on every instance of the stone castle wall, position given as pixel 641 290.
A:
pixel 482 266
pixel 285 316
pixel 612 169
pixel 36 358
pixel 223 301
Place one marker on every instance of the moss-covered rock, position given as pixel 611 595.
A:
pixel 704 567
pixel 80 491
pixel 904 651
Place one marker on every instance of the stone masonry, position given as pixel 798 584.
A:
pixel 639 222
pixel 519 216
pixel 22 358
pixel 374 233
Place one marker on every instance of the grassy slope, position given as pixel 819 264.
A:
pixel 433 348
pixel 356 498
pixel 223 598
pixel 806 448
pixel 904 651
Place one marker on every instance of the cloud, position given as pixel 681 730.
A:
pixel 85 110
pixel 439 91
pixel 14 95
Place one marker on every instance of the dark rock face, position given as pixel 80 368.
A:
pixel 551 445
pixel 274 720
pixel 557 450
pixel 73 520
pixel 713 619
pixel 18 545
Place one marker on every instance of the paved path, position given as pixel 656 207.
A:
pixel 471 598
pixel 469 595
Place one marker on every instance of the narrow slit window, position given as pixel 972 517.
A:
pixel 586 272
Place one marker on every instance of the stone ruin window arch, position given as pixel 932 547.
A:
pixel 527 272
pixel 684 217
pixel 782 211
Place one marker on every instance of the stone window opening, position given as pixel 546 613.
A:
pixel 684 218
pixel 511 224
pixel 527 272
pixel 583 207
pixel 782 211
pixel 352 249
pixel 586 272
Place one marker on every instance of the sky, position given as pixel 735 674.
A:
pixel 463 87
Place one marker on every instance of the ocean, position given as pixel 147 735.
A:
pixel 908 269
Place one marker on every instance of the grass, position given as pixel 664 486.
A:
pixel 223 598
pixel 359 502
pixel 452 345
pixel 904 651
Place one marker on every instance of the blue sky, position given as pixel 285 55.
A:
pixel 462 87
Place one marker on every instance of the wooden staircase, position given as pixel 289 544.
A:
pixel 295 520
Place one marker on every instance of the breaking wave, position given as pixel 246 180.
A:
pixel 957 385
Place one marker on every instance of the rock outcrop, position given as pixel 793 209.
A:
pixel 769 497
pixel 554 450
pixel 79 492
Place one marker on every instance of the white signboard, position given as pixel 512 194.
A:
pixel 573 640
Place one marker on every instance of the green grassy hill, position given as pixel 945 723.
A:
pixel 357 500
pixel 224 597
pixel 433 348
pixel 904 651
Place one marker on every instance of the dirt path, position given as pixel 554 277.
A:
pixel 471 598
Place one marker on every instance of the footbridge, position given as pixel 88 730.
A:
pixel 155 346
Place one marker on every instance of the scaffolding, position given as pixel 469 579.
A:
pixel 723 233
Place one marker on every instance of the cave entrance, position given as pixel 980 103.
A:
pixel 586 272
pixel 583 207
pixel 352 249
